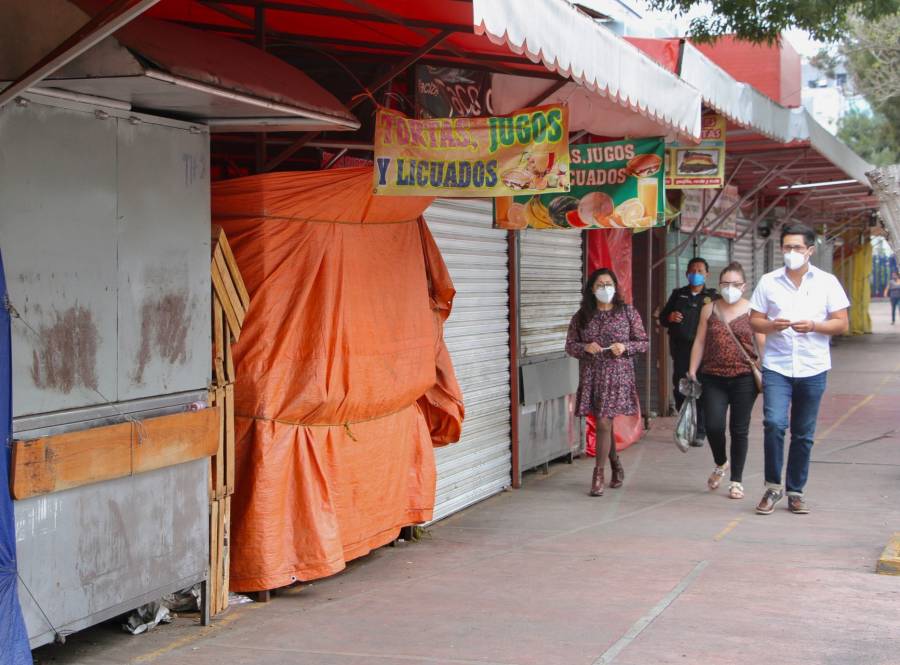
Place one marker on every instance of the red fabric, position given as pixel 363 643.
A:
pixel 611 248
pixel 664 51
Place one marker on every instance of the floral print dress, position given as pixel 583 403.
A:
pixel 606 386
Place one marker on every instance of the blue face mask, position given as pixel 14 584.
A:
pixel 696 279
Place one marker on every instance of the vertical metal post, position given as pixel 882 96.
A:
pixel 512 254
pixel 259 39
pixel 648 324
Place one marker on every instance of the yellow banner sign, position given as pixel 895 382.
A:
pixel 526 152
pixel 699 166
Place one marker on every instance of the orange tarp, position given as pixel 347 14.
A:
pixel 344 383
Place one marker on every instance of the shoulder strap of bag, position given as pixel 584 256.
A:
pixel 734 337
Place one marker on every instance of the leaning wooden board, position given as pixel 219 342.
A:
pixel 64 461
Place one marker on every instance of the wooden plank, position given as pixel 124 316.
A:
pixel 229 439
pixel 69 460
pixel 214 557
pixel 225 527
pixel 79 458
pixel 169 440
pixel 230 376
pixel 218 460
pixel 239 310
pixel 229 312
pixel 233 269
pixel 219 344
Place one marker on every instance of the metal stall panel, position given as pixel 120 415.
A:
pixel 551 271
pixel 551 274
pixel 93 552
pixel 164 249
pixel 58 230
pixel 742 252
pixel 477 335
pixel 94 212
pixel 823 257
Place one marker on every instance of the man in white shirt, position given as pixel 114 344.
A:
pixel 798 308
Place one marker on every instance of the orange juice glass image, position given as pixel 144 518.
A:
pixel 648 194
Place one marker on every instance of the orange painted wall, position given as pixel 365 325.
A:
pixel 773 70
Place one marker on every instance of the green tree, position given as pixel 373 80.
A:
pixel 765 20
pixel 872 52
pixel 871 136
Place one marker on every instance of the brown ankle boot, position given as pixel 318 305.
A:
pixel 618 472
pixel 597 482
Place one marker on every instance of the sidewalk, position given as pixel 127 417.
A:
pixel 660 571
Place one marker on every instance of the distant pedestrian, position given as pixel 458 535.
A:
pixel 604 335
pixel 892 291
pixel 723 358
pixel 798 308
pixel 681 316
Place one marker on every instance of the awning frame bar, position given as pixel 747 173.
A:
pixel 98 28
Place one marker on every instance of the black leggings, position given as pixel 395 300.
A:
pixel 719 393
pixel 606 441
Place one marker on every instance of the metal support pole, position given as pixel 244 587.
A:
pixel 765 212
pixel 681 245
pixel 648 323
pixel 259 28
pixel 512 254
pixel 724 216
pixel 790 213
pixel 106 22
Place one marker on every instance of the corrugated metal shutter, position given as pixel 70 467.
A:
pixel 716 252
pixel 550 288
pixel 742 252
pixel 477 335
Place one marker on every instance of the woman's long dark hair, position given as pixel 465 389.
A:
pixel 589 300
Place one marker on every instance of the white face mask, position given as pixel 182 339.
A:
pixel 605 294
pixel 731 294
pixel 794 260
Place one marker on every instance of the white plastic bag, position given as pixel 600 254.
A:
pixel 686 426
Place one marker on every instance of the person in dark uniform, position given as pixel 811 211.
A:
pixel 681 316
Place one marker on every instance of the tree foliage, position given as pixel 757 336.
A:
pixel 871 136
pixel 763 21
pixel 872 52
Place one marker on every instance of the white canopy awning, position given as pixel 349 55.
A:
pixel 569 42
pixel 744 105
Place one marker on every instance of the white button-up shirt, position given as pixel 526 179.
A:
pixel 788 352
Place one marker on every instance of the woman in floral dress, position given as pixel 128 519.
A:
pixel 604 335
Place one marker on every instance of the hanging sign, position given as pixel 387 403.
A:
pixel 699 166
pixel 525 152
pixel 452 92
pixel 695 202
pixel 614 185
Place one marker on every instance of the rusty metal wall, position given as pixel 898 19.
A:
pixel 93 552
pixel 104 220
pixel 104 225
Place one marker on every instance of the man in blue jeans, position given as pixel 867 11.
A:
pixel 798 308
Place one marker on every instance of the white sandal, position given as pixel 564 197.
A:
pixel 735 490
pixel 715 478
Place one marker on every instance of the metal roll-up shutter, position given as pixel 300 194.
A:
pixel 550 280
pixel 477 336
pixel 742 252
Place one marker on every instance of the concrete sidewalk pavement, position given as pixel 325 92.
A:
pixel 660 571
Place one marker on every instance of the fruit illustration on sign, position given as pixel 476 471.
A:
pixel 559 209
pixel 595 208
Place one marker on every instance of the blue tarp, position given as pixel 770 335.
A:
pixel 14 648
